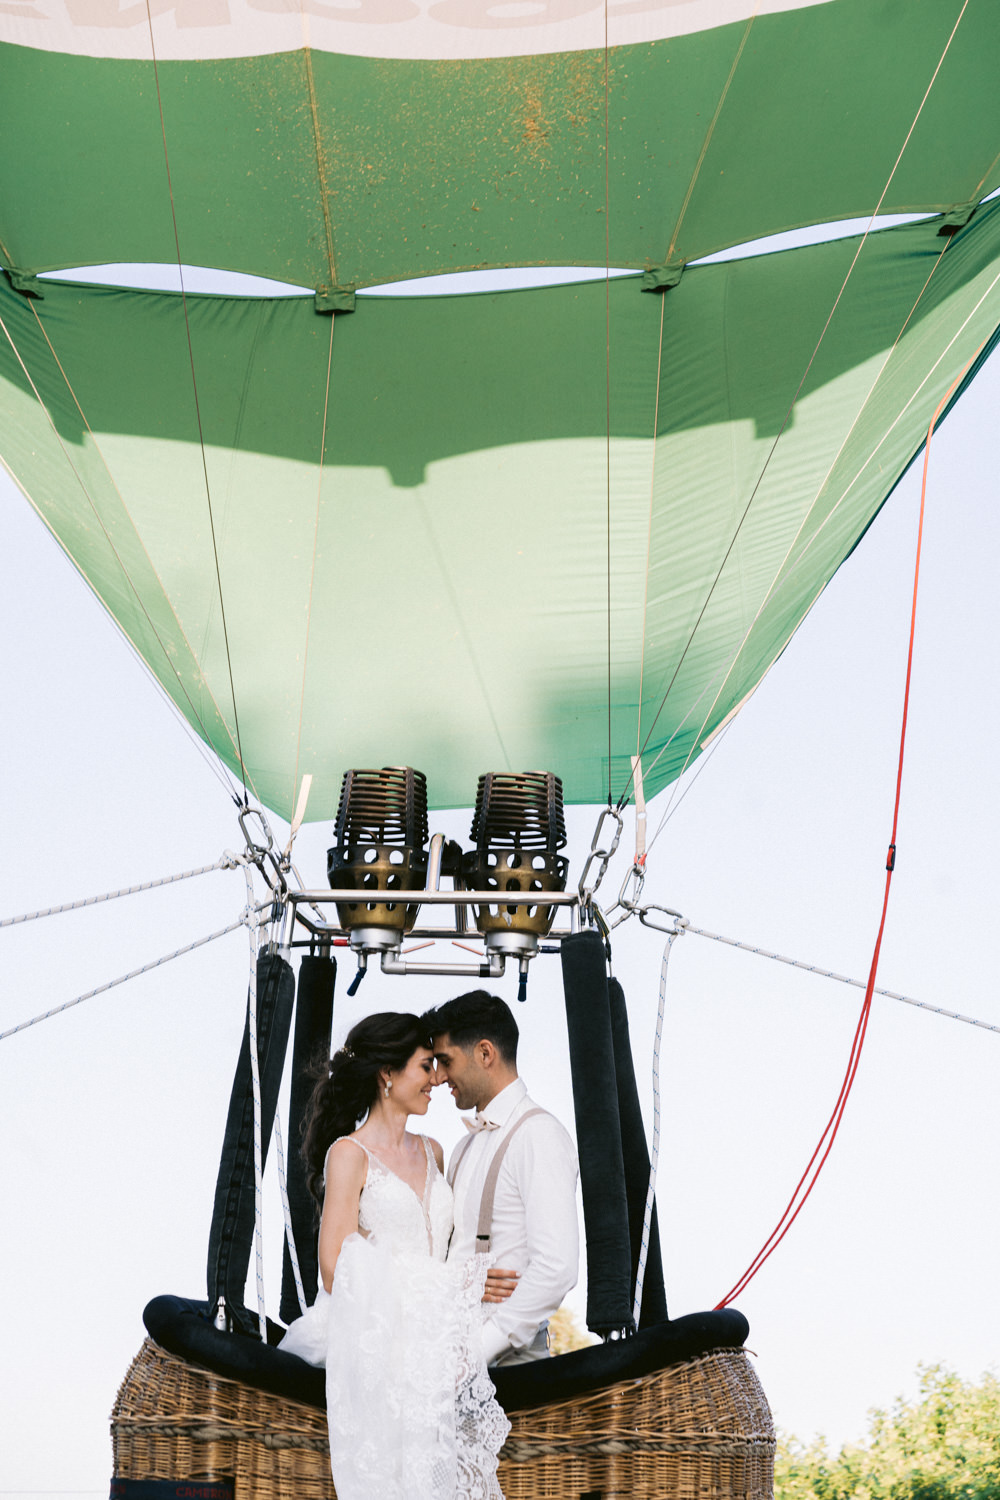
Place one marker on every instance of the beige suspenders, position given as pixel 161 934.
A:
pixel 456 1160
pixel 485 1226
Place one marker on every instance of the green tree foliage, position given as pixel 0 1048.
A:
pixel 945 1445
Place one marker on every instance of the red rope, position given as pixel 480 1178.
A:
pixel 807 1181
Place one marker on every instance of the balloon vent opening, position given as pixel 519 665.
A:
pixel 519 827
pixel 381 834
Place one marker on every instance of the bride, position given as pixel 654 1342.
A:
pixel 411 1409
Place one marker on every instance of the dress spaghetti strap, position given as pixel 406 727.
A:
pixel 361 1144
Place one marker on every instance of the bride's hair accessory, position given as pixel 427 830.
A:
pixel 344 1052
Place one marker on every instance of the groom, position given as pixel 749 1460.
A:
pixel 532 1221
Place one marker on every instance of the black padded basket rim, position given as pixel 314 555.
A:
pixel 183 1328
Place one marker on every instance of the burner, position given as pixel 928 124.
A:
pixel 518 826
pixel 381 837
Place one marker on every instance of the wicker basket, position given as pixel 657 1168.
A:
pixel 700 1430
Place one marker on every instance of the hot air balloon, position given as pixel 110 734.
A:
pixel 603 507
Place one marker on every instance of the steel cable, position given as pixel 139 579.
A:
pixel 133 974
pixel 227 862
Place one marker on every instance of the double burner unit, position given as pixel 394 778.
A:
pixel 384 858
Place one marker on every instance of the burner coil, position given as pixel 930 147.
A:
pixel 519 827
pixel 381 834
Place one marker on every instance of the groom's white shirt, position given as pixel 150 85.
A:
pixel 535 1229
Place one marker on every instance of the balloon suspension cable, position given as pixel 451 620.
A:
pixel 286 1209
pixel 824 1146
pixel 795 963
pixel 637 758
pixel 197 403
pixel 805 375
pixel 228 861
pixel 254 856
pixel 253 927
pixel 649 545
pixel 303 790
pixel 675 923
pixel 279 1144
pixel 217 766
pixel 133 974
pixel 675 802
pixel 607 337
pixel 780 578
pixel 654 1155
pixel 294 871
pixel 698 741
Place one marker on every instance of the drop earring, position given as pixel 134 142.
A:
pixel 388 1086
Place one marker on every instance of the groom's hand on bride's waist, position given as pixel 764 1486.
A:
pixel 500 1284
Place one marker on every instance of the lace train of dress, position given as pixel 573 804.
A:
pixel 411 1409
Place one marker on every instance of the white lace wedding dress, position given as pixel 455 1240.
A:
pixel 411 1409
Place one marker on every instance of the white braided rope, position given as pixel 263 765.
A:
pixel 286 1209
pixel 133 974
pixel 253 926
pixel 859 984
pixel 654 1155
pixel 227 862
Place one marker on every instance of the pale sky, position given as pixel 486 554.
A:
pixel 112 1114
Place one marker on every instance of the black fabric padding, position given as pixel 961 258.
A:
pixel 183 1328
pixel 636 1157
pixel 231 1233
pixel 569 1376
pixel 313 1025
pixel 598 1132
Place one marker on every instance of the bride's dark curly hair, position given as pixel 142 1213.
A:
pixel 348 1085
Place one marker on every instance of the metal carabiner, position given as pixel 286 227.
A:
pixel 679 923
pixel 604 855
pixel 627 904
pixel 638 875
pixel 256 851
pixel 262 854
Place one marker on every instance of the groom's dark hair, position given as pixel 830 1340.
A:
pixel 475 1017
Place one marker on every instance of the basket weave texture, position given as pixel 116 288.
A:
pixel 700 1430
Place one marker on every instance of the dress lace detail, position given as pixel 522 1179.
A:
pixel 406 1221
pixel 481 1425
pixel 411 1409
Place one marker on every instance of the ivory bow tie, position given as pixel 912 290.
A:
pixel 479 1122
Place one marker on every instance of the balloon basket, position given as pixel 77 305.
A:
pixel 697 1430
pixel 172 1420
